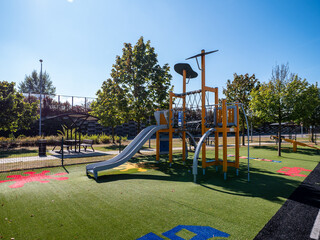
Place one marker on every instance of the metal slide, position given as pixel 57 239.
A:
pixel 192 141
pixel 127 153
pixel 197 152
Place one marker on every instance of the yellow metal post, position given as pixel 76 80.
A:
pixel 224 135
pixel 203 112
pixel 237 137
pixel 294 147
pixel 158 146
pixel 170 128
pixel 184 116
pixel 216 134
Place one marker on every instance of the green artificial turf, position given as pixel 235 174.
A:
pixel 129 204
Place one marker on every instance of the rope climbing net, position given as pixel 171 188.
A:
pixel 193 108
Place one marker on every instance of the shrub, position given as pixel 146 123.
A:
pixel 51 140
pixel 117 138
pixel 21 136
pixel 24 141
pixel 95 138
pixel 105 138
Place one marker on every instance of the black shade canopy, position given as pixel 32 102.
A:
pixel 201 54
pixel 73 120
pixel 179 67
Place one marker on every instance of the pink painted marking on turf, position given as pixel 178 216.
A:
pixel 20 180
pixel 294 171
pixel 266 160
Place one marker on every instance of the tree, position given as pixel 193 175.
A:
pixel 308 107
pixel 315 121
pixel 15 112
pixel 281 99
pixel 111 105
pixel 145 82
pixel 31 84
pixel 239 91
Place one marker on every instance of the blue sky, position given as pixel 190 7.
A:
pixel 78 40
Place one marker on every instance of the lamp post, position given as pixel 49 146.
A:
pixel 251 118
pixel 251 129
pixel 40 96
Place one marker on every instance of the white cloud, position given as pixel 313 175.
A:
pixel 70 1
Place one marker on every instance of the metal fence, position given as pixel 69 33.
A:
pixel 15 156
pixel 61 103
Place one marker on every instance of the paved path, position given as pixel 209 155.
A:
pixel 299 216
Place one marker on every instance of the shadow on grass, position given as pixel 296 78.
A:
pixel 17 153
pixel 263 184
pixel 286 149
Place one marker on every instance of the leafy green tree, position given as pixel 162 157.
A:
pixel 145 82
pixel 315 121
pixel 307 110
pixel 15 112
pixel 239 91
pixel 282 99
pixel 31 84
pixel 111 105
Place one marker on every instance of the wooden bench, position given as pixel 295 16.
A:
pixel 86 143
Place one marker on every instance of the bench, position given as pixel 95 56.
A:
pixel 86 143
pixel 65 146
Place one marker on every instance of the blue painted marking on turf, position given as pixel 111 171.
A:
pixel 202 233
pixel 150 236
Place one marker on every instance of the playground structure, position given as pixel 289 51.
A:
pixel 199 111
pixel 295 143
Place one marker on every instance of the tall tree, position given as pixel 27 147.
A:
pixel 15 112
pixel 281 99
pixel 315 121
pixel 31 84
pixel 239 91
pixel 111 105
pixel 146 83
pixel 307 105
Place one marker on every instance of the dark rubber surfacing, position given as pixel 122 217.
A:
pixel 296 217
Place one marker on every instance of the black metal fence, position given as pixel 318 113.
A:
pixel 15 157
pixel 61 152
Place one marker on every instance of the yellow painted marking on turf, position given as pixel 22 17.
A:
pixel 128 166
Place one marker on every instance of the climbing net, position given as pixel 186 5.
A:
pixel 193 108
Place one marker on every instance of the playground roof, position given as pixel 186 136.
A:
pixel 73 120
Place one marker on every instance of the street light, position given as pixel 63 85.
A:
pixel 250 113
pixel 40 96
